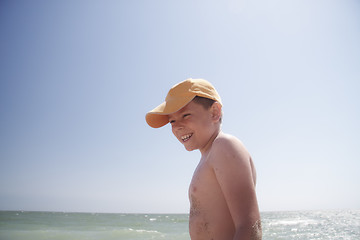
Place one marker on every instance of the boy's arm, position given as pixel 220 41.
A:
pixel 232 167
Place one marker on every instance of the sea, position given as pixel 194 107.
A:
pixel 302 225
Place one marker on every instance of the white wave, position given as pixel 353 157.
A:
pixel 143 230
pixel 293 222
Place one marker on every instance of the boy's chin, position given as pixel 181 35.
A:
pixel 189 149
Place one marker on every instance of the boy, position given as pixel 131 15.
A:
pixel 223 203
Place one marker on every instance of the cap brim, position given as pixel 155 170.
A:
pixel 156 120
pixel 158 117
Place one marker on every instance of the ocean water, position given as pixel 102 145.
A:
pixel 302 225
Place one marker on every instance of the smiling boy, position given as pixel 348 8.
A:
pixel 223 203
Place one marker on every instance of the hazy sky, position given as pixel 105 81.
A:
pixel 77 78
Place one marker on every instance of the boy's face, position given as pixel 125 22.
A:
pixel 193 125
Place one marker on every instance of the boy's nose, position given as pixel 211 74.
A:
pixel 177 126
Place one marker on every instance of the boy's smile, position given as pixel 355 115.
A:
pixel 186 137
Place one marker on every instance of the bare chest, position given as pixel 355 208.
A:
pixel 207 205
pixel 203 178
pixel 204 191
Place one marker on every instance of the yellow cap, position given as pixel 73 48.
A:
pixel 178 97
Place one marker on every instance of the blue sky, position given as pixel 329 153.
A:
pixel 77 78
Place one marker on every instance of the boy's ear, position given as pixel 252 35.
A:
pixel 216 111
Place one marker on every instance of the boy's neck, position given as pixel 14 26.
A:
pixel 205 150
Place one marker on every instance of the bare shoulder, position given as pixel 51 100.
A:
pixel 227 145
pixel 229 153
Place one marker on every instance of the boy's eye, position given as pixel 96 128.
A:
pixel 171 121
pixel 186 115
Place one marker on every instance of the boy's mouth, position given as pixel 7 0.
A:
pixel 186 137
